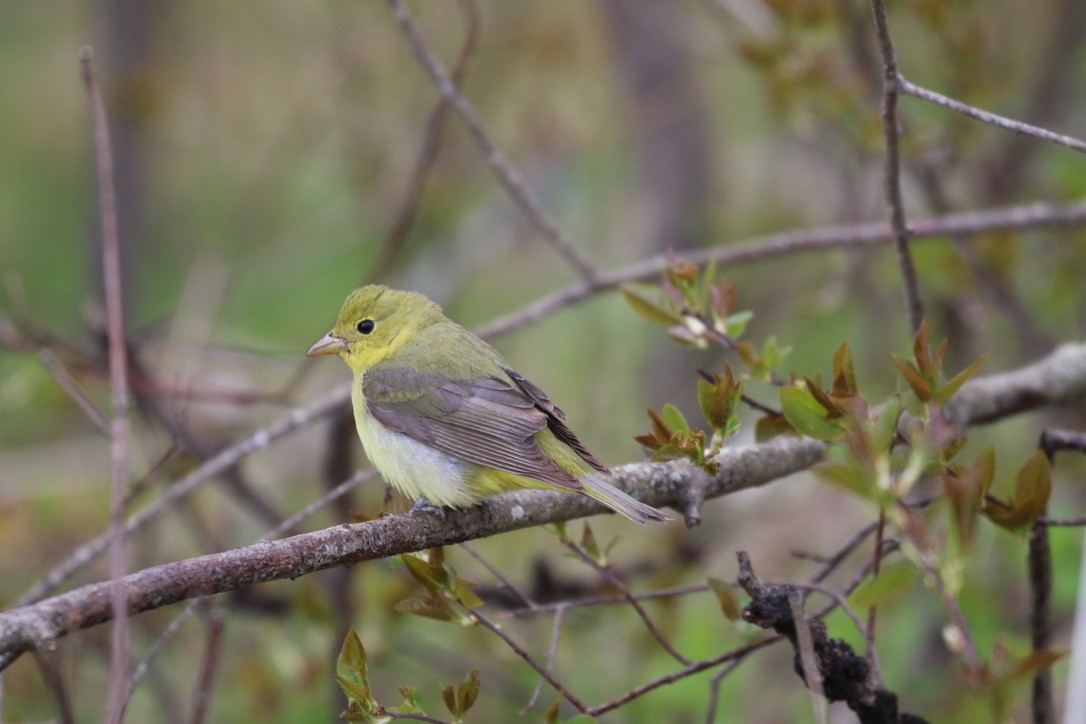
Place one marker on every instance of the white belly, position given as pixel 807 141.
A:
pixel 415 469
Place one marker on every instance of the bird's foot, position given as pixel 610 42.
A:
pixel 423 505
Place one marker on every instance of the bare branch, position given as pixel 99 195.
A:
pixel 393 244
pixel 544 671
pixel 118 381
pixel 805 648
pixel 214 465
pixel 552 650
pixel 892 171
pixel 791 243
pixel 632 600
pixel 60 374
pixel 508 176
pixel 904 86
pixel 656 484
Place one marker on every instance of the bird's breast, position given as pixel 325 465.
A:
pixel 412 467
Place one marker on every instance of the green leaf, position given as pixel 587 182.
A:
pixel 351 673
pixel 718 399
pixel 448 695
pixel 432 607
pixel 550 716
pixel 736 324
pixel 463 593
pixel 843 475
pixel 893 582
pixel 675 419
pixel 352 689
pixel 588 542
pixel 947 390
pixel 773 354
pixel 908 370
pixel 726 597
pixel 651 303
pixel 352 656
pixel 884 429
pixel 1035 663
pixel 432 577
pixel 844 376
pixel 410 703
pixel 468 691
pixel 659 428
pixel 1031 493
pixel 770 426
pixel 922 352
pixel 1034 487
pixel 807 416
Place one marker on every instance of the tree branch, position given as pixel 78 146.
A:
pixel 892 171
pixel 508 176
pixel 790 243
pixel 1051 381
pixel 118 379
pixel 904 86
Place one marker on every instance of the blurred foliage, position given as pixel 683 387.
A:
pixel 265 155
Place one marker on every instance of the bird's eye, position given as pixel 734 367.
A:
pixel 365 326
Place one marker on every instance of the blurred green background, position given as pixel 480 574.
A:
pixel 264 153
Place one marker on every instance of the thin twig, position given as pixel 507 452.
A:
pixel 1040 582
pixel 1068 522
pixel 165 637
pixel 394 242
pixel 843 552
pixel 213 466
pixel 839 598
pixel 714 689
pixel 519 651
pixel 964 643
pixel 49 665
pixel 805 647
pixel 507 175
pixel 506 583
pixel 872 612
pixel 118 378
pixel 998 294
pixel 631 599
pixel 205 680
pixel 892 170
pixel 60 374
pixel 902 85
pixel 791 243
pixel 693 668
pixel 552 650
pixel 411 716
pixel 287 525
pixel 604 599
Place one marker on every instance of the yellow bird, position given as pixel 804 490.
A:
pixel 444 418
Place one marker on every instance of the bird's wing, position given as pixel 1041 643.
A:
pixel 556 420
pixel 486 420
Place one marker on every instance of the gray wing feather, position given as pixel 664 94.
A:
pixel 556 421
pixel 488 421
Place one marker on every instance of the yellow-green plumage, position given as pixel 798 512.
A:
pixel 443 417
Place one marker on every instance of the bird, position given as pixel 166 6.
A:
pixel 446 420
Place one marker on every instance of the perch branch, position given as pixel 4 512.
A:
pixel 41 624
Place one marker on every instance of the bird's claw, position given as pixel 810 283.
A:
pixel 423 505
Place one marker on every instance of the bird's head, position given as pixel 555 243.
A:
pixel 374 322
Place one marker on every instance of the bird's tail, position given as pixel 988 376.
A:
pixel 602 491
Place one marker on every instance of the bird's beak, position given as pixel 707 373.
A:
pixel 328 344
